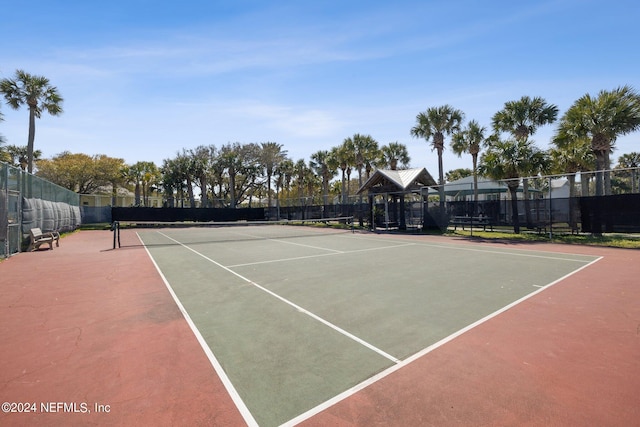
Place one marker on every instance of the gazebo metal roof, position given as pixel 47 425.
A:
pixel 391 181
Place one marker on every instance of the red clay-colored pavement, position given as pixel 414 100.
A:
pixel 82 325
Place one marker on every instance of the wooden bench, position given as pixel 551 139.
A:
pixel 479 221
pixel 38 238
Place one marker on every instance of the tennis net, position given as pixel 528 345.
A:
pixel 230 231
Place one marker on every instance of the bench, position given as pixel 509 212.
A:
pixel 38 238
pixel 476 221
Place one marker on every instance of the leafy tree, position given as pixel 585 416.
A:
pixel 80 172
pixel 172 182
pixel 603 119
pixel 241 161
pixel 469 140
pixel 201 158
pixel 433 125
pixel 38 94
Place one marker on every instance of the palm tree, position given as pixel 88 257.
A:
pixel 521 119
pixel 603 119
pixel 271 155
pixel 364 150
pixel 344 161
pixel 300 169
pixel 394 153
pixel 469 140
pixel 38 94
pixel 284 173
pixel 630 161
pixel 571 157
pixel 322 164
pixel 504 160
pixel 17 155
pixel 4 156
pixel 433 125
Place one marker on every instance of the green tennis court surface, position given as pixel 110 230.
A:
pixel 293 321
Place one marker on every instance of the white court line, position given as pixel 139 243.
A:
pixel 318 255
pixel 511 251
pixel 242 408
pixel 350 392
pixel 291 303
pixel 289 243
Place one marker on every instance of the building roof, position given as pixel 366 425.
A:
pixel 464 187
pixel 388 181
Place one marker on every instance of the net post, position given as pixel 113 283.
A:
pixel 115 227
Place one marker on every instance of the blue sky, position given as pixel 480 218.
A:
pixel 143 79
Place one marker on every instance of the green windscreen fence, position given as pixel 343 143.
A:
pixel 26 202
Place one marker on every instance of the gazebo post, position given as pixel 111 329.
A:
pixel 403 220
pixel 386 211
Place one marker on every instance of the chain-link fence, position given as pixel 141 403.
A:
pixel 27 201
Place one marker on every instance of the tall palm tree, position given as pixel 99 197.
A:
pixel 284 173
pixel 433 125
pixel 344 160
pixel 469 140
pixel 300 168
pixel 505 160
pixel 394 153
pixel 521 119
pixel 38 94
pixel 603 119
pixel 271 155
pixel 364 150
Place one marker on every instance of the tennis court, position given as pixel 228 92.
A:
pixel 294 317
pixel 321 328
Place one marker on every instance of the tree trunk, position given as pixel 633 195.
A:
pixel 599 173
pixel 573 221
pixel 514 208
pixel 203 191
pixel 31 138
pixel 584 184
pixel 475 178
pixel 192 199
pixel 527 202
pixel 441 182
pixel 607 174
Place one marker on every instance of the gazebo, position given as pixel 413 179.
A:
pixel 395 184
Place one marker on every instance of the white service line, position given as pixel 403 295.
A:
pixel 353 390
pixel 510 252
pixel 292 304
pixel 242 408
pixel 318 255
